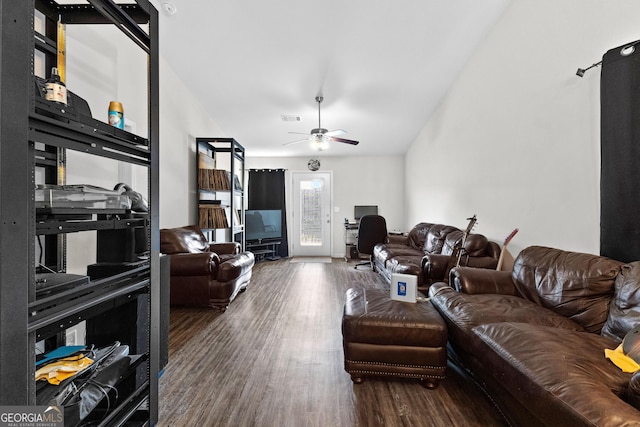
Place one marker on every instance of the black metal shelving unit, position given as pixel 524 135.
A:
pixel 119 305
pixel 228 156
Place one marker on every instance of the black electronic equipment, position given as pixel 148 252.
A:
pixel 123 245
pixel 263 224
pixel 49 282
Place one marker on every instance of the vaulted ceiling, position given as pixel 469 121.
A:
pixel 382 66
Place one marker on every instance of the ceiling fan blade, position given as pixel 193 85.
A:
pixel 297 140
pixel 299 133
pixel 336 132
pixel 346 141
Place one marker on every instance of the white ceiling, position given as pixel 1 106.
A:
pixel 382 66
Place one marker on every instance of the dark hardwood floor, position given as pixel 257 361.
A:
pixel 274 358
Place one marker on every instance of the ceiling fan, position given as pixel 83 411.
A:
pixel 320 137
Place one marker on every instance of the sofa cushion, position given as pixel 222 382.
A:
pixel 418 235
pixel 624 311
pixel 450 242
pixel 436 237
pixel 560 375
pixel 462 312
pixel 406 264
pixel 576 285
pixel 387 251
pixel 476 245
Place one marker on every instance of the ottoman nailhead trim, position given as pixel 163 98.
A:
pixel 394 364
pixel 394 374
pixel 389 374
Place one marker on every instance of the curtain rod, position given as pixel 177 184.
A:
pixel 581 71
pixel 626 50
pixel 267 170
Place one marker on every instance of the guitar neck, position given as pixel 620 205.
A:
pixel 460 247
pixel 504 249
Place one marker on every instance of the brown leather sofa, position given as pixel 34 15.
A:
pixel 426 250
pixel 204 274
pixel 534 338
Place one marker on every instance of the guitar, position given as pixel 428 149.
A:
pixel 458 250
pixel 504 248
pixel 460 247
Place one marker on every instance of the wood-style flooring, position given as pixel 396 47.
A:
pixel 274 358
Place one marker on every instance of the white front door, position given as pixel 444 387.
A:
pixel 311 214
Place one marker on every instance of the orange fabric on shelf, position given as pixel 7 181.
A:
pixel 60 370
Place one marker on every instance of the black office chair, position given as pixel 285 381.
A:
pixel 371 231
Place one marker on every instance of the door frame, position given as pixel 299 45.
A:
pixel 293 214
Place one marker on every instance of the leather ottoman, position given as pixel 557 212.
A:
pixel 382 337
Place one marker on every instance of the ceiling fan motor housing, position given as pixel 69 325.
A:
pixel 318 131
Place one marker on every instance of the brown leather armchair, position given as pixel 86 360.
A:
pixel 204 274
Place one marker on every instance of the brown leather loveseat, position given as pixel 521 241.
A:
pixel 534 338
pixel 204 274
pixel 426 250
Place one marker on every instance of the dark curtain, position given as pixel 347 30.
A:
pixel 620 154
pixel 266 191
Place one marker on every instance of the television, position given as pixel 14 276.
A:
pixel 263 224
pixel 360 211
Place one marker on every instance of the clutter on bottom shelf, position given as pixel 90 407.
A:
pixel 91 376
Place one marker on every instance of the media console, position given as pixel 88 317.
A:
pixel 267 250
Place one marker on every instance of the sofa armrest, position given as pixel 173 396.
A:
pixel 196 264
pixel 235 266
pixel 434 267
pixel 482 281
pixel 225 248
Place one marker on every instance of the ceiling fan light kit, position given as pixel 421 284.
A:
pixel 320 137
pixel 319 143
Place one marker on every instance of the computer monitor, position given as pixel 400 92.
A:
pixel 360 211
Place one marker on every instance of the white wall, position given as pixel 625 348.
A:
pixel 182 120
pixel 356 181
pixel 103 65
pixel 106 73
pixel 516 141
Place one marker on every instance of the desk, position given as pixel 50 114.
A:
pixel 350 240
pixel 264 250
